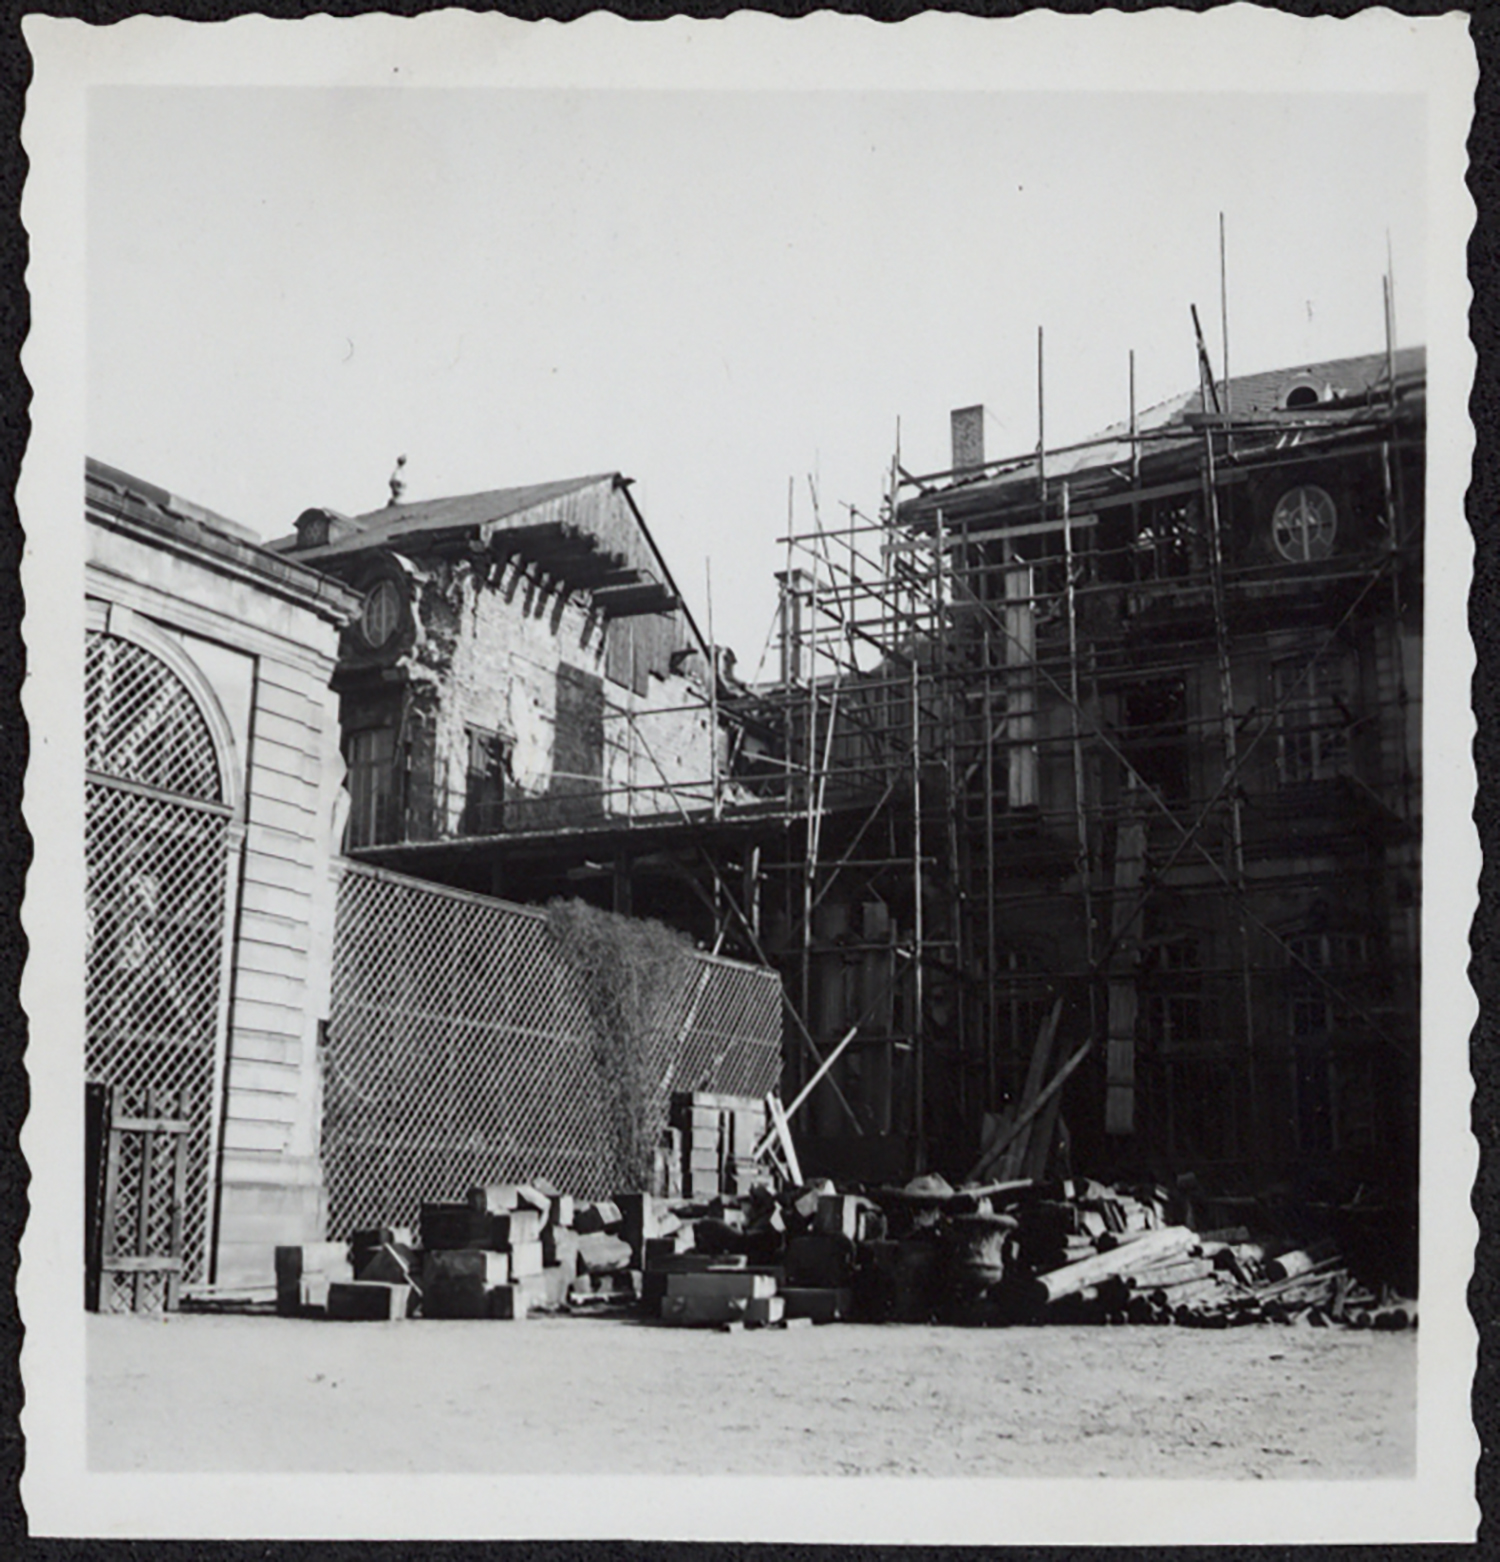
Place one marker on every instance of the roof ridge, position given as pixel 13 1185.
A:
pixel 552 489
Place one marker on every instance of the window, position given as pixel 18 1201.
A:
pixel 1172 989
pixel 1156 736
pixel 1303 525
pixel 1312 1001
pixel 1023 999
pixel 1325 1091
pixel 1312 725
pixel 382 613
pixel 374 787
pixel 484 784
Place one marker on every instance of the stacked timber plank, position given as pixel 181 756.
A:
pixel 718 1137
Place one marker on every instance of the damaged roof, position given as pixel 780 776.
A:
pixel 585 532
pixel 1340 380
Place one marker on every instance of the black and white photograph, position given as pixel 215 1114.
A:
pixel 751 779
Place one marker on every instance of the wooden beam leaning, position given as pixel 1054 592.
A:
pixel 1033 1098
pixel 783 1133
pixel 1024 1120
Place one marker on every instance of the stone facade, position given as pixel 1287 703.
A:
pixel 489 689
pixel 246 642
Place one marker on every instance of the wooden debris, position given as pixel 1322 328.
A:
pixel 1116 1263
pixel 1008 1249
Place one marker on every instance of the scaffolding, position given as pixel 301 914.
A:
pixel 1132 725
pixel 1127 723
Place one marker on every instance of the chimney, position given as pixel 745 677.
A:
pixel 967 425
pixel 795 616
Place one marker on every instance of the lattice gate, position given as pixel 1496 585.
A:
pixel 458 1050
pixel 156 846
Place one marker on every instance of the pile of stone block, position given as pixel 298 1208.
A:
pixel 306 1274
pixel 759 1260
pixel 1020 1251
pixel 504 1252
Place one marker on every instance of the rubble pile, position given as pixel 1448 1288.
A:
pixel 506 1251
pixel 1004 1253
pixel 733 1244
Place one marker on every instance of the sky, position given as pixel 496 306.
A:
pixel 735 298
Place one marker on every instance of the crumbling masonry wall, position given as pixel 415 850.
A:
pixel 500 651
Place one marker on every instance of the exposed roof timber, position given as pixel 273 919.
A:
pixel 575 533
pixel 579 564
pixel 633 601
pixel 548 537
pixel 623 484
pixel 604 578
pixel 539 534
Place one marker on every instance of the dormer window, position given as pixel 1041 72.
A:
pixel 316 528
pixel 1303 525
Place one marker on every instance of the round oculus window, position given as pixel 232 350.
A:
pixel 382 613
pixel 1303 525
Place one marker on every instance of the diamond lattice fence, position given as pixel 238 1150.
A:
pixel 143 724
pixel 156 839
pixel 458 1050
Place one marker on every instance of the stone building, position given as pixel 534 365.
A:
pixel 522 665
pixel 501 668
pixel 1139 731
pixel 214 806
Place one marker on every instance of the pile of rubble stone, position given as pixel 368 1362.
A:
pixel 1015 1252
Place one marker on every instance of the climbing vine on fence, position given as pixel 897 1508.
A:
pixel 633 974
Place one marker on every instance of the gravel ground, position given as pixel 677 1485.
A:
pixel 611 1396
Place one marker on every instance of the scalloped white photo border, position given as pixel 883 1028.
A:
pixel 1238 48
